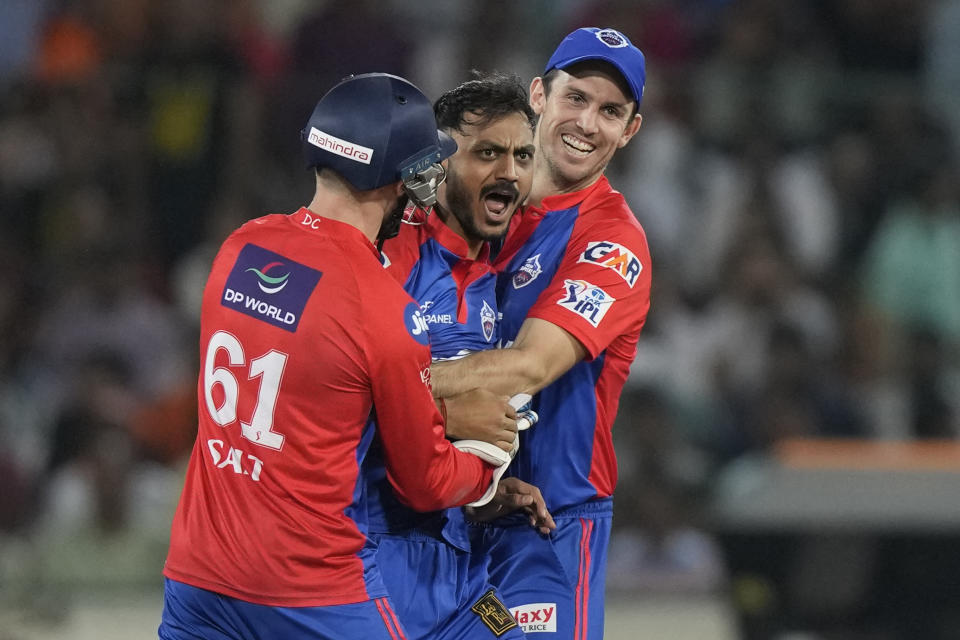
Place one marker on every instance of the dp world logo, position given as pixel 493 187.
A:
pixel 612 38
pixel 271 283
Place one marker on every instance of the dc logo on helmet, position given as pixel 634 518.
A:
pixel 612 38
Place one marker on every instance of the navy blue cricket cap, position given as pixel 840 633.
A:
pixel 372 129
pixel 609 45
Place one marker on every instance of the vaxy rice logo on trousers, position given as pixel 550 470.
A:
pixel 536 617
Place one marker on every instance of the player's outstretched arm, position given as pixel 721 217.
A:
pixel 541 353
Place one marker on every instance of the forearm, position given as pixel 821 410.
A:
pixel 502 371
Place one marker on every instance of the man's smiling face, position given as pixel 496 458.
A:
pixel 586 114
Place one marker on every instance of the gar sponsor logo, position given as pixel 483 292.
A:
pixel 586 300
pixel 528 272
pixel 536 617
pixel 613 256
pixel 269 287
pixel 488 320
pixel 416 324
pixel 345 148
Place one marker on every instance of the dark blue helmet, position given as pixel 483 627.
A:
pixel 374 129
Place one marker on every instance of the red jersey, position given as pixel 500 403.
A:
pixel 303 334
pixel 580 261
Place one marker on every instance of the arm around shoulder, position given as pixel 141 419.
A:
pixel 541 353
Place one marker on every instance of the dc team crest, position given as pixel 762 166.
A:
pixel 528 272
pixel 488 320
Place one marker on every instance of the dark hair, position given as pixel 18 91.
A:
pixel 489 96
pixel 551 75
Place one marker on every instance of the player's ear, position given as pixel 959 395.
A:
pixel 538 95
pixel 630 131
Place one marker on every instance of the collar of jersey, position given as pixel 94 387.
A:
pixel 563 201
pixel 331 227
pixel 449 240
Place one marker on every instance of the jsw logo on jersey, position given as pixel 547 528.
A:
pixel 586 300
pixel 537 617
pixel 613 256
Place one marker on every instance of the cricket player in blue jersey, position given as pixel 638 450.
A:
pixel 574 291
pixel 443 262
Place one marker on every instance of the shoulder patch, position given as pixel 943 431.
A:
pixel 613 256
pixel 269 287
pixel 586 300
pixel 494 614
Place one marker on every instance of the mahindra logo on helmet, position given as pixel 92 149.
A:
pixel 340 147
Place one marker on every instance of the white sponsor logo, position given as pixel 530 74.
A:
pixel 340 147
pixel 537 617
pixel 613 256
pixel 586 300
pixel 259 306
pixel 435 318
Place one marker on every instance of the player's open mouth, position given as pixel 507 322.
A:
pixel 498 202
pixel 577 146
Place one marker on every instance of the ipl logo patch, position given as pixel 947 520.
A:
pixel 613 256
pixel 488 320
pixel 586 300
pixel 612 38
pixel 528 272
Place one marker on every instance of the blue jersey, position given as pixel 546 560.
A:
pixel 457 298
pixel 581 262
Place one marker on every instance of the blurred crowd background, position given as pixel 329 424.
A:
pixel 797 175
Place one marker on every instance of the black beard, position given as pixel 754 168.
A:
pixel 460 205
pixel 391 223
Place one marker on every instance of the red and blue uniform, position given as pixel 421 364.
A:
pixel 424 557
pixel 302 336
pixel 580 261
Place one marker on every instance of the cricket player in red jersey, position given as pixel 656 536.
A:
pixel 304 335
pixel 574 290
